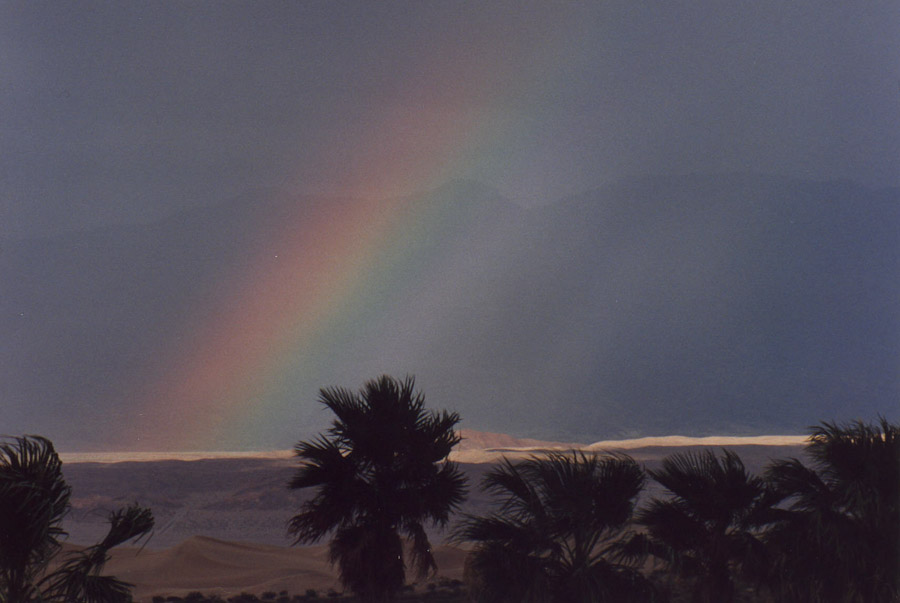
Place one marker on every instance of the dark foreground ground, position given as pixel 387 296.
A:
pixel 221 528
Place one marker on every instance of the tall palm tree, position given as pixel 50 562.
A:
pixel 34 498
pixel 552 537
pixel 707 527
pixel 380 472
pixel 838 538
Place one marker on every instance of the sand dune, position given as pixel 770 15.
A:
pixel 210 507
pixel 483 447
pixel 485 440
pixel 676 440
pixel 224 568
pixel 227 568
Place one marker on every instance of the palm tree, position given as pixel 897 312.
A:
pixel 706 529
pixel 34 498
pixel 838 538
pixel 380 472
pixel 552 537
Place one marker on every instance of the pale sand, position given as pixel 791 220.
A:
pixel 224 495
pixel 675 440
pixel 476 447
pixel 490 448
pixel 224 568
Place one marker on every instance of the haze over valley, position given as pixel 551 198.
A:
pixel 694 305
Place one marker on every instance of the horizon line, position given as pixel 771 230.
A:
pixel 531 447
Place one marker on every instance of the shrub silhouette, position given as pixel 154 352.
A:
pixel 838 538
pixel 708 525
pixel 553 538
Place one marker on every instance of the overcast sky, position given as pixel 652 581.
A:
pixel 114 112
pixel 732 292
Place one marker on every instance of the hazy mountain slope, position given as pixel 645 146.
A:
pixel 84 314
pixel 693 305
pixel 696 305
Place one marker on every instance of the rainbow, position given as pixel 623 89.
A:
pixel 270 318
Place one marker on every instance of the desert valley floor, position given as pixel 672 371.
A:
pixel 221 521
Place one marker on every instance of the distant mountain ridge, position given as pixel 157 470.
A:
pixel 701 305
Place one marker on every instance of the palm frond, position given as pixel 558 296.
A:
pixel 34 498
pixel 557 518
pixel 499 574
pixel 380 468
pixel 420 555
pixel 705 529
pixel 845 506
pixel 79 579
pixel 128 523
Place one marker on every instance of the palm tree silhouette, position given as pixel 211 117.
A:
pixel 380 472
pixel 34 498
pixel 553 535
pixel 839 537
pixel 707 528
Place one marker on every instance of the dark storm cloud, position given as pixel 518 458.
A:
pixel 696 278
pixel 125 111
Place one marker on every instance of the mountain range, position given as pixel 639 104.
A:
pixel 696 304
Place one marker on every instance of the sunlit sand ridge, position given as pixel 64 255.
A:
pixel 123 457
pixel 476 447
pixel 480 447
pixel 676 440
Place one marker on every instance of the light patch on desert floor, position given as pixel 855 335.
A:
pixel 124 457
pixel 476 447
pixel 492 450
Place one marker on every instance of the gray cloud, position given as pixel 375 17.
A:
pixel 127 112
